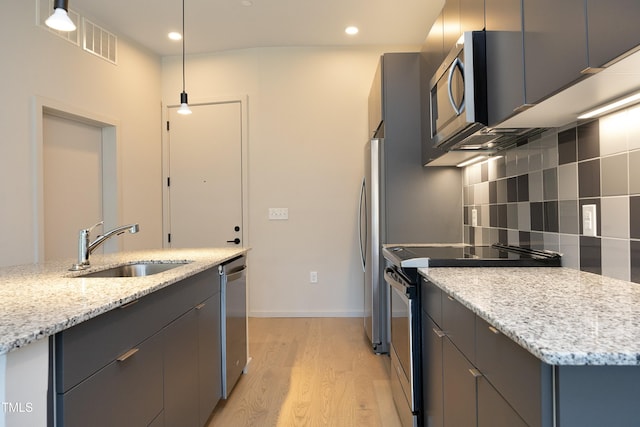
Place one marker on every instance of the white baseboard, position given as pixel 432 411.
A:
pixel 306 314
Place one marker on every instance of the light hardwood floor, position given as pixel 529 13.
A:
pixel 309 372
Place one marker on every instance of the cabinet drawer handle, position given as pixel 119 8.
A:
pixel 439 333
pixel 127 355
pixel 450 298
pixel 129 304
pixel 475 373
pixel 494 330
pixel 199 306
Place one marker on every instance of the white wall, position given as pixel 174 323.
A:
pixel 307 130
pixel 38 63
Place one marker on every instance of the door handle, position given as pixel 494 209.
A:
pixel 457 64
pixel 236 241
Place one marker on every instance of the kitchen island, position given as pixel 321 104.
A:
pixel 550 346
pixel 42 300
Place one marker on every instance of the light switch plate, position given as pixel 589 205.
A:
pixel 474 217
pixel 278 213
pixel 589 220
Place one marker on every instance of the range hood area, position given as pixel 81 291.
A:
pixel 621 77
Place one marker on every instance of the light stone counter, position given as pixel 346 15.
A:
pixel 39 300
pixel 560 315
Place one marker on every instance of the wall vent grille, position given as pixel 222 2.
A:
pixel 44 9
pixel 100 42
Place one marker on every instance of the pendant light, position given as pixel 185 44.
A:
pixel 184 102
pixel 59 19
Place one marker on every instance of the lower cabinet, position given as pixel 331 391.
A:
pixel 181 371
pixel 209 357
pixel 459 387
pixel 493 410
pixel 432 381
pixel 126 392
pixel 170 378
pixel 475 376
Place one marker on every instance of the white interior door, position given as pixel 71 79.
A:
pixel 205 176
pixel 72 161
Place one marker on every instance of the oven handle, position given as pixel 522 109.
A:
pixel 398 286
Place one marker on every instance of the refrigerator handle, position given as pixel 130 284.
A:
pixel 362 204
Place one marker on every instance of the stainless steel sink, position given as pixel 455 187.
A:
pixel 138 269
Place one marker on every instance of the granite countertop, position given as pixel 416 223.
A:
pixel 39 300
pixel 562 316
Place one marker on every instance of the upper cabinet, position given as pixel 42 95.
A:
pixel 505 59
pixel 536 48
pixel 376 114
pixel 555 40
pixel 613 29
pixel 451 24
pixel 432 52
pixel 471 15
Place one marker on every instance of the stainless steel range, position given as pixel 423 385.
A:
pixel 401 274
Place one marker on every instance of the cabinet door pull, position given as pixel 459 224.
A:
pixel 450 298
pixel 494 330
pixel 475 373
pixel 129 304
pixel 199 306
pixel 439 333
pixel 127 355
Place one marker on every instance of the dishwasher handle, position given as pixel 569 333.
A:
pixel 236 274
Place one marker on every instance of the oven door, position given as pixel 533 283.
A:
pixel 404 347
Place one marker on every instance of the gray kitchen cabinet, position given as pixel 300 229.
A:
pixel 192 365
pixel 155 361
pixel 209 357
pixel 459 389
pixel 375 103
pixel 433 51
pixel 507 366
pixel 505 59
pixel 555 40
pixel 181 371
pixel 458 322
pixel 451 24
pixel 536 48
pixel 475 376
pixel 125 392
pixel 432 381
pixel 471 15
pixel 613 29
pixel 493 410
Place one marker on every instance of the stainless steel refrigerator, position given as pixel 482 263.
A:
pixel 401 202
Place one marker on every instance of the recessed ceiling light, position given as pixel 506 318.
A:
pixel 174 35
pixel 246 3
pixel 351 30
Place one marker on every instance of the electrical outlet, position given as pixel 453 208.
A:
pixel 589 220
pixel 278 213
pixel 474 217
pixel 313 277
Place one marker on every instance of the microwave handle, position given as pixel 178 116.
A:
pixel 456 64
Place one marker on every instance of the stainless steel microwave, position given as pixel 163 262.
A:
pixel 458 97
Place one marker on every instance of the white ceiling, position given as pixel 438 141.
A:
pixel 216 25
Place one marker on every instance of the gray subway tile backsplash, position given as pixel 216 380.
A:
pixel 533 196
pixel 588 141
pixel 615 175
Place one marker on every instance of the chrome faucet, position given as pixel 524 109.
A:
pixel 85 248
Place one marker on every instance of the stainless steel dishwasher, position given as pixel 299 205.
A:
pixel 233 313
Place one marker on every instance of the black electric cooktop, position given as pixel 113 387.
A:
pixel 496 255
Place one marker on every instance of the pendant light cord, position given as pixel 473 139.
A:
pixel 183 55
